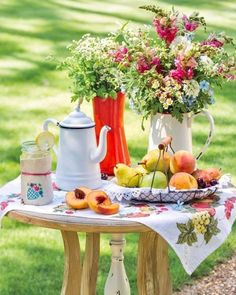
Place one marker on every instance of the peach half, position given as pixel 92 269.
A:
pixel 183 180
pixel 100 203
pixel 77 199
pixel 182 161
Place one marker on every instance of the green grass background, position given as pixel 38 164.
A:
pixel 31 90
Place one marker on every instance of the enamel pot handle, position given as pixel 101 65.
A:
pixel 210 134
pixel 45 128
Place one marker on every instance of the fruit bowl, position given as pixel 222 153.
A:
pixel 167 195
pixel 156 195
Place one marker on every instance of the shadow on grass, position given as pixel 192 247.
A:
pixel 38 269
pixel 59 30
pixel 32 273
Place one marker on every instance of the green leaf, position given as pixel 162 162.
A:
pixel 120 38
pixel 182 238
pixel 113 94
pixel 190 226
pixel 182 227
pixel 207 236
pixel 189 240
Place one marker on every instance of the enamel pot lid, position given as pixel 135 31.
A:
pixel 77 120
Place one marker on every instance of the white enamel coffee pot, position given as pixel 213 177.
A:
pixel 78 156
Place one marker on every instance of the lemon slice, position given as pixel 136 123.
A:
pixel 45 140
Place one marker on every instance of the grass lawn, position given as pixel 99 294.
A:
pixel 31 90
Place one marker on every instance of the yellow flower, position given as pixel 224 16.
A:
pixel 155 84
pixel 200 221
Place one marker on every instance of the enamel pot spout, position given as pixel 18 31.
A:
pixel 98 154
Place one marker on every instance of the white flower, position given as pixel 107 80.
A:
pixel 163 97
pixel 181 44
pixel 165 106
pixel 206 61
pixel 169 101
pixel 191 88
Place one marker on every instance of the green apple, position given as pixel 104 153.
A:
pixel 160 180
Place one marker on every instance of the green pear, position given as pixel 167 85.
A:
pixel 160 180
pixel 149 161
pixel 126 176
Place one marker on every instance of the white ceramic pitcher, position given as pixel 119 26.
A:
pixel 78 156
pixel 163 125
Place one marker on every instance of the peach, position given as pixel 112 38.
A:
pixel 99 202
pixel 109 209
pixel 77 199
pixel 183 180
pixel 182 161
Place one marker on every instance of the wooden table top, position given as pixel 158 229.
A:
pixel 78 224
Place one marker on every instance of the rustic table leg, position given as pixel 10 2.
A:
pixel 117 282
pixel 72 268
pixel 153 276
pixel 90 264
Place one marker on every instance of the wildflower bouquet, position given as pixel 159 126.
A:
pixel 95 66
pixel 170 72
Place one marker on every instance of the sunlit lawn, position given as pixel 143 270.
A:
pixel 31 90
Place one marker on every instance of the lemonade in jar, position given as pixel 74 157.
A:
pixel 35 164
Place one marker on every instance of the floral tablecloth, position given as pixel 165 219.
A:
pixel 193 230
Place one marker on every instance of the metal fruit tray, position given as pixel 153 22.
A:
pixel 167 195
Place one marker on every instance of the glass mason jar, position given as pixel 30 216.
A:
pixel 36 183
pixel 29 150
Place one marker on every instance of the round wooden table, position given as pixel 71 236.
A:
pixel 80 276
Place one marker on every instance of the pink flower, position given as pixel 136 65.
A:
pixel 178 74
pixel 189 74
pixel 142 65
pixel 230 77
pixel 69 212
pixel 229 205
pixel 189 25
pixel 120 54
pixel 167 33
pixel 192 63
pixel 156 62
pixel 3 205
pixel 36 188
pixel 201 206
pixel 227 214
pixel 213 43
pixel 164 209
pixel 232 199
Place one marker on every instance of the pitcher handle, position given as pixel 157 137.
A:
pixel 210 134
pixel 45 127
